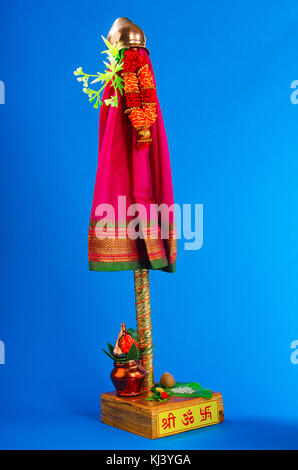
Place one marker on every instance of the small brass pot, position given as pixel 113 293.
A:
pixel 128 378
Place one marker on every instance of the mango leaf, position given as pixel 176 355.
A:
pixel 108 354
pixel 133 333
pixel 133 353
pixel 111 348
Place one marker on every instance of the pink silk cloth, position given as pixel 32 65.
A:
pixel 143 177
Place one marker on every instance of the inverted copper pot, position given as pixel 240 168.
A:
pixel 128 378
pixel 127 33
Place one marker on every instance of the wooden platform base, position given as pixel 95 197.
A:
pixel 154 419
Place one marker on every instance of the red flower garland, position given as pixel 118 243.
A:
pixel 140 95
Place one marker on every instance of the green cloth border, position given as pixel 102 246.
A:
pixel 161 264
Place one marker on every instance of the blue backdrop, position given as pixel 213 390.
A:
pixel 228 316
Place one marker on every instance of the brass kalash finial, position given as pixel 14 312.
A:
pixel 127 33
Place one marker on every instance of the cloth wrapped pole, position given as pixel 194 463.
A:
pixel 144 326
pixel 142 177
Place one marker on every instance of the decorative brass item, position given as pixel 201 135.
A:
pixel 127 33
pixel 145 133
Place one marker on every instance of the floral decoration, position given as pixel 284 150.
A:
pixel 110 76
pixel 140 95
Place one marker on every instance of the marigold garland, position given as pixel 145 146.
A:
pixel 140 95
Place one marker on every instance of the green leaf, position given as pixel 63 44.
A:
pixel 112 48
pixel 109 102
pixel 98 79
pixel 133 333
pixel 111 348
pixel 133 353
pixel 198 390
pixel 113 65
pixel 108 354
pixel 107 43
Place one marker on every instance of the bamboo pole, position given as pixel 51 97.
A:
pixel 144 325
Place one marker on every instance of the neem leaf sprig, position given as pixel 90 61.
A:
pixel 110 75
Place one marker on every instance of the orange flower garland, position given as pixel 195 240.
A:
pixel 140 95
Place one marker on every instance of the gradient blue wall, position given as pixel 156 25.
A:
pixel 228 316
